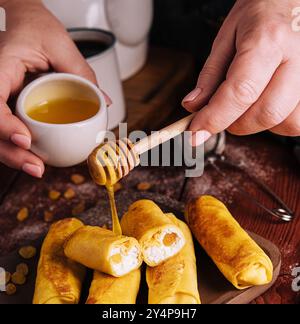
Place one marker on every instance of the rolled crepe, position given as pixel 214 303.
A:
pixel 58 279
pixel 100 249
pixel 106 289
pixel 236 255
pixel 159 237
pixel 175 280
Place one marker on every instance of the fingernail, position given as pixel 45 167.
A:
pixel 193 95
pixel 22 141
pixel 200 137
pixel 33 170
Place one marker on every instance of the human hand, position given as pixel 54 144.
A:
pixel 35 41
pixel 250 82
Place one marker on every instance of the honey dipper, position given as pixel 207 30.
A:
pixel 112 161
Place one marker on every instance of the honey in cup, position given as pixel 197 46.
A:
pixel 61 102
pixel 63 111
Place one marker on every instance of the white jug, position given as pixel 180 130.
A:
pixel 129 20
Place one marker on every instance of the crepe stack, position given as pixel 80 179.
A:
pixel 159 237
pixel 234 252
pixel 100 249
pixel 175 280
pixel 58 279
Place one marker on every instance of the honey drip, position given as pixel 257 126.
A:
pixel 114 214
pixel 108 163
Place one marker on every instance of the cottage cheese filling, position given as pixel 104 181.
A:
pixel 124 260
pixel 164 245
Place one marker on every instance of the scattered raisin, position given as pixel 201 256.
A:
pixel 10 289
pixel 27 252
pixel 54 195
pixel 70 193
pixel 144 186
pixel 22 268
pixel 23 214
pixel 48 216
pixel 77 179
pixel 18 278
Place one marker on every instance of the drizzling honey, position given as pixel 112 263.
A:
pixel 114 214
pixel 108 163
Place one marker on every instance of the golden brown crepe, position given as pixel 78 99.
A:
pixel 237 256
pixel 175 280
pixel 106 289
pixel 58 279
pixel 102 250
pixel 159 237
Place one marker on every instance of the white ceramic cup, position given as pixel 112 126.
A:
pixel 63 145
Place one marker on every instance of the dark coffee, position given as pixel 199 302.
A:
pixel 91 48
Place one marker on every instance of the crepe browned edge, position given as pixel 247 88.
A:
pixel 58 278
pixel 106 289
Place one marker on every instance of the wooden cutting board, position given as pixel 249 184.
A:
pixel 213 287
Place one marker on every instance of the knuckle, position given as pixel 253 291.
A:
pixel 209 70
pixel 262 42
pixel 244 93
pixel 275 31
pixel 215 125
pixel 270 116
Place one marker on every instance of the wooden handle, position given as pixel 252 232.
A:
pixel 163 135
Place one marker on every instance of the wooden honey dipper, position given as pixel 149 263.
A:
pixel 112 161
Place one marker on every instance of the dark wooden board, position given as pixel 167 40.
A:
pixel 213 287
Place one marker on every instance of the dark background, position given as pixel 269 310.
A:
pixel 188 24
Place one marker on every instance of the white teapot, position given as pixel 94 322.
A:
pixel 129 20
